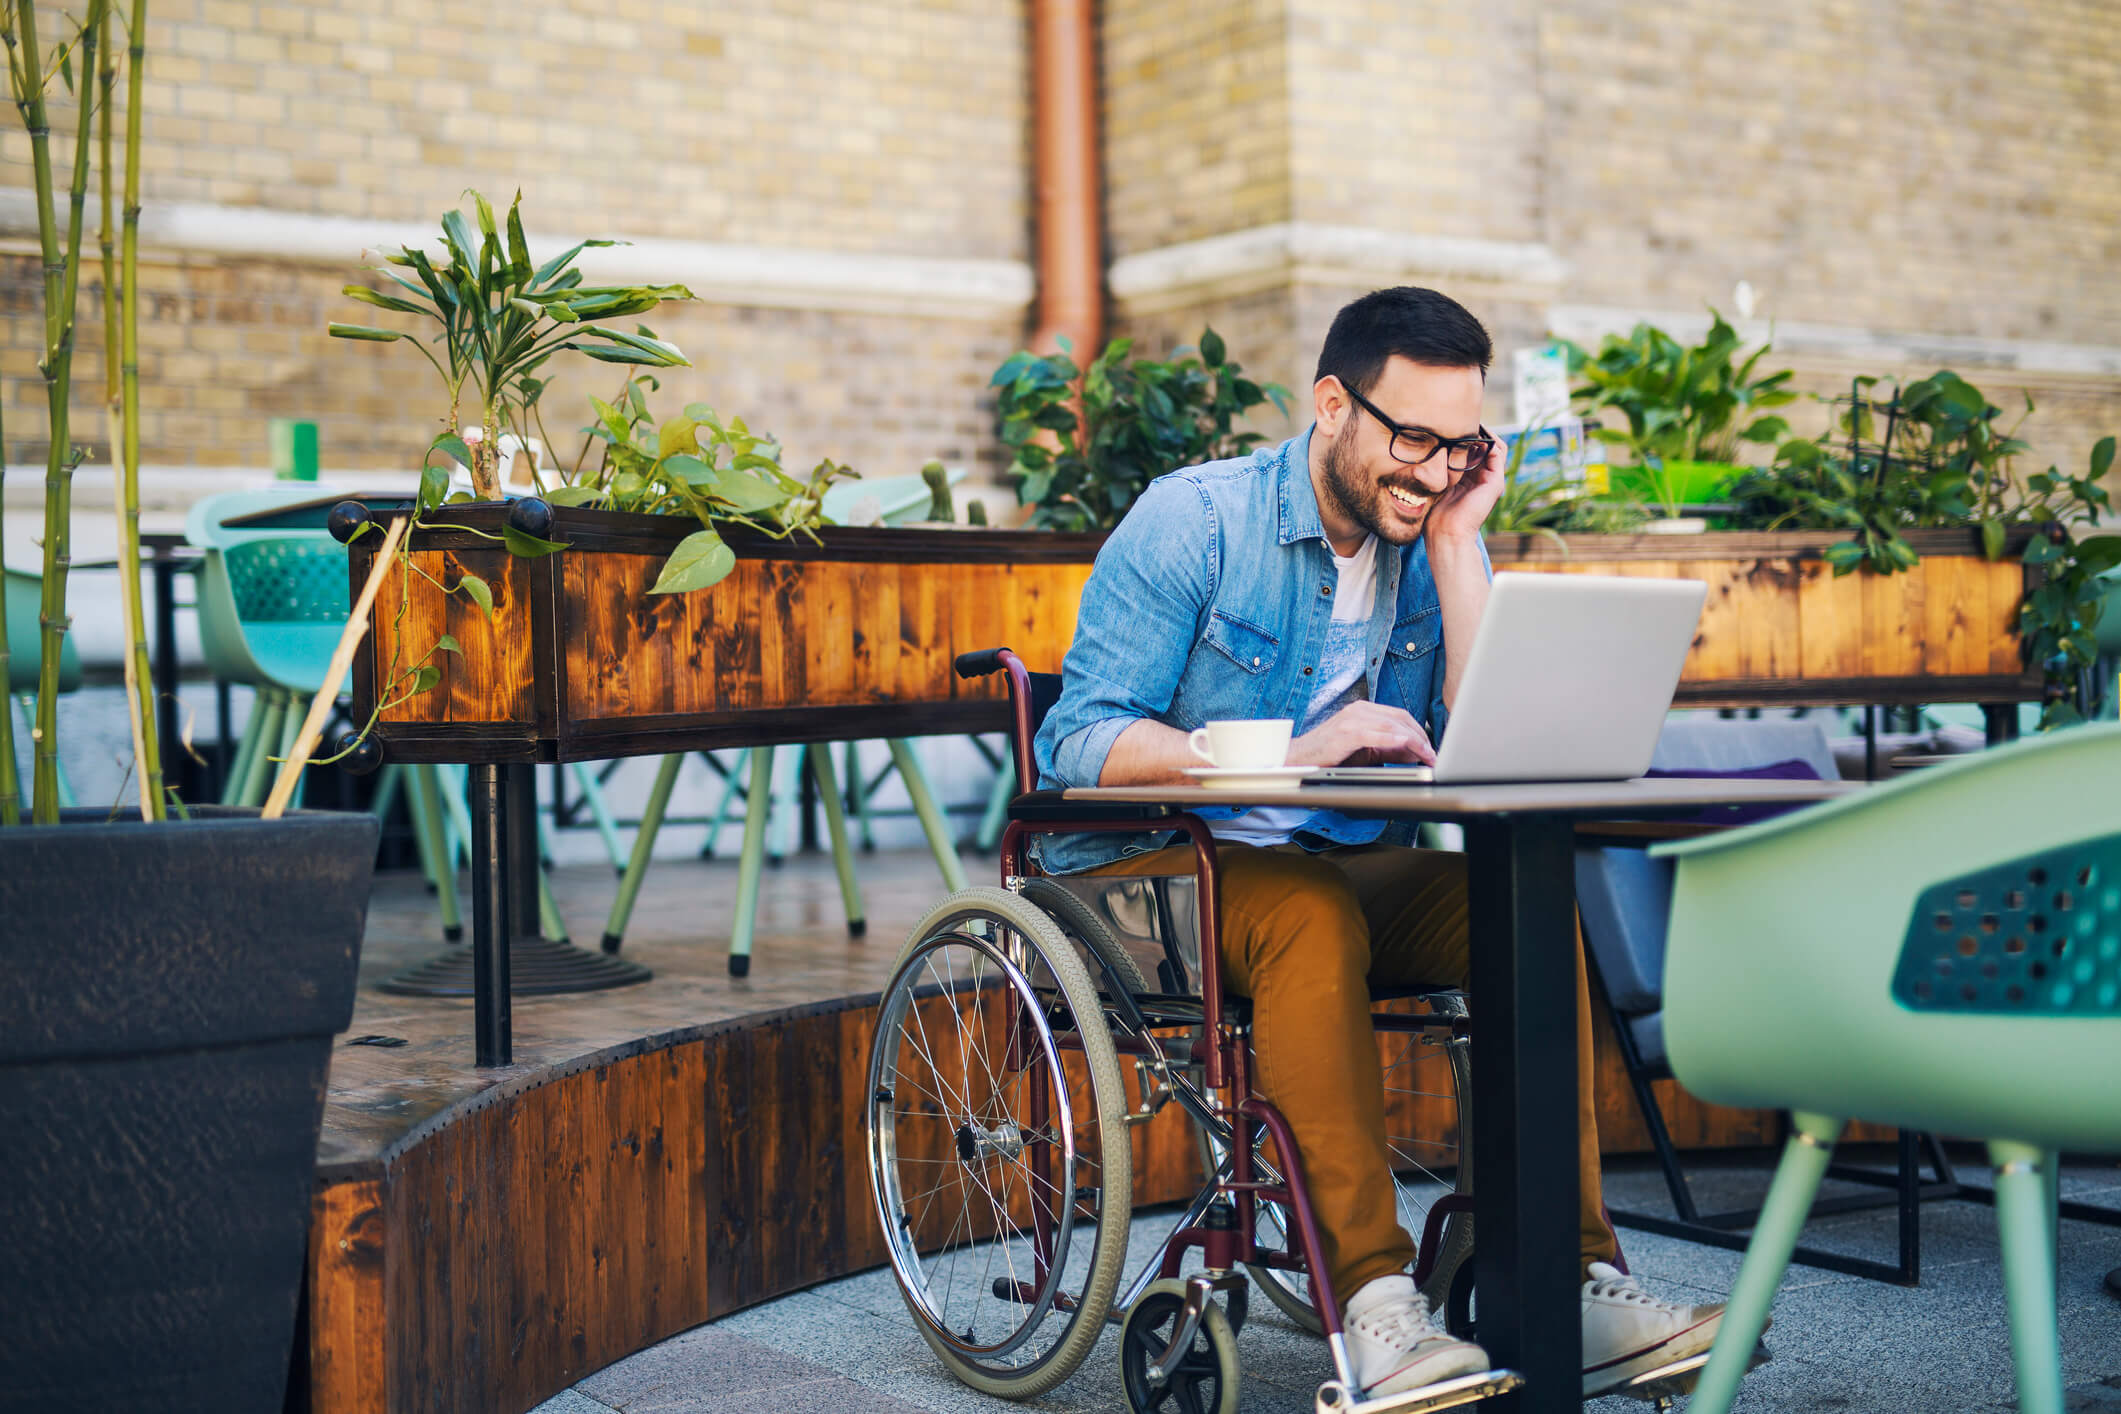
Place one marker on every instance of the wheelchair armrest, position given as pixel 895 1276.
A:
pixel 1051 807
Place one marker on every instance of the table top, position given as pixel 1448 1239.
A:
pixel 1645 797
pixel 313 512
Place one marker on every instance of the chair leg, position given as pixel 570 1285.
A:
pixel 1789 1201
pixel 781 824
pixel 721 806
pixel 828 789
pixel 858 796
pixel 389 782
pixel 593 795
pixel 931 817
pixel 996 814
pixel 758 794
pixel 455 782
pixel 551 926
pixel 2025 1223
pixel 239 762
pixel 666 777
pixel 424 796
pixel 257 773
pixel 290 733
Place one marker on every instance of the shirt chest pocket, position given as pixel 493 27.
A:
pixel 1416 636
pixel 1412 660
pixel 1252 649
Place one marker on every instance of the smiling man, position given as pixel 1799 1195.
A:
pixel 1337 581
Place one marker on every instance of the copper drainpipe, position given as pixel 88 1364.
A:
pixel 1069 217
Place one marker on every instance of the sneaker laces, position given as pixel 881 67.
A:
pixel 1612 1284
pixel 1403 1322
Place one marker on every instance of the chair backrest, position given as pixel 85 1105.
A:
pixel 1796 945
pixel 24 597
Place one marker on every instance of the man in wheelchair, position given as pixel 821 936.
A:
pixel 1335 580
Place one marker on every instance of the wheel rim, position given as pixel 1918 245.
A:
pixel 1195 1387
pixel 977 1185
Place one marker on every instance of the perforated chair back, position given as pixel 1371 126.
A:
pixel 24 595
pixel 1942 952
pixel 285 602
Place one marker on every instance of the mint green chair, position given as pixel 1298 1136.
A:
pixel 23 597
pixel 1940 953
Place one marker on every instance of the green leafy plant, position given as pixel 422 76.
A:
pixel 1935 454
pixel 501 319
pixel 696 465
pixel 1679 404
pixel 2059 619
pixel 1085 443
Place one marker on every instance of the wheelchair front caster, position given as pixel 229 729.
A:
pixel 1204 1378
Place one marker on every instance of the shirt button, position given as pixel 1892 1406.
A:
pixel 1255 662
pixel 1307 672
pixel 1410 645
pixel 1326 589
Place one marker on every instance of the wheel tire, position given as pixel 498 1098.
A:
pixel 1058 976
pixel 1078 921
pixel 1208 1371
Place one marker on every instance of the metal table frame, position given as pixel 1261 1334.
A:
pixel 1522 900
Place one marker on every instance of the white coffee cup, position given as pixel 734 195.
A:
pixel 1243 746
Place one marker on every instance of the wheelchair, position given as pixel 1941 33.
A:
pixel 1001 1126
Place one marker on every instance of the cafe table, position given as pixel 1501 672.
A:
pixel 1519 842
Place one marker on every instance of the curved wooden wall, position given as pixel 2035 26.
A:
pixel 523 1241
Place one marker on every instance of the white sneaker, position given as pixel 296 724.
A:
pixel 1627 1331
pixel 1396 1345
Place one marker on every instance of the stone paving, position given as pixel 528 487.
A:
pixel 1841 1344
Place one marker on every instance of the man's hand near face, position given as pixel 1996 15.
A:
pixel 1453 535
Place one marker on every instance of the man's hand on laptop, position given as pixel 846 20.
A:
pixel 1364 734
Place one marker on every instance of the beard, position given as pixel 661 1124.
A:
pixel 1363 500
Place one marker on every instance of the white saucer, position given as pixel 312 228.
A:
pixel 1249 778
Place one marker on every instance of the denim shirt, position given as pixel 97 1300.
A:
pixel 1212 600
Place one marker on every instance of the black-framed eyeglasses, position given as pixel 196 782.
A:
pixel 1413 446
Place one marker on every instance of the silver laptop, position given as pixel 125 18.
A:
pixel 1570 679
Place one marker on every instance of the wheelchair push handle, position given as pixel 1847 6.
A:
pixel 983 662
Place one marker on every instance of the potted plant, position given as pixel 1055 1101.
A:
pixel 671 592
pixel 174 984
pixel 1785 620
pixel 1685 411
pixel 1931 455
pixel 1085 443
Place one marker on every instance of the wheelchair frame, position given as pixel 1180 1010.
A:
pixel 1225 1247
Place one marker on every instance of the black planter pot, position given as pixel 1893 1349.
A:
pixel 168 998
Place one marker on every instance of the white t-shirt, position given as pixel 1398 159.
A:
pixel 1341 680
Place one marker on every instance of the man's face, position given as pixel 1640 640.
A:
pixel 1362 480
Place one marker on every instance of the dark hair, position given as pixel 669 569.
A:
pixel 1416 324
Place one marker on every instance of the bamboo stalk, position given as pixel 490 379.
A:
pixel 283 786
pixel 122 356
pixel 60 274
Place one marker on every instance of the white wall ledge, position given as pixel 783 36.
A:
pixel 717 272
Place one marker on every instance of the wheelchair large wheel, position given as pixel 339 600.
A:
pixel 1428 1090
pixel 999 1155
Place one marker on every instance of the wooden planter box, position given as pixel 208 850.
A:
pixel 802 642
pixel 1780 628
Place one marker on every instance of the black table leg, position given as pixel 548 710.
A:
pixel 175 765
pixel 493 905
pixel 1527 1258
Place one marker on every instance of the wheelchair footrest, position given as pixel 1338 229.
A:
pixel 1669 1382
pixel 1335 1397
